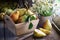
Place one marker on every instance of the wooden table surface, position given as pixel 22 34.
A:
pixel 52 36
pixel 10 36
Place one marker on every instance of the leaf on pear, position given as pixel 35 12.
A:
pixel 32 18
pixel 27 18
pixel 30 25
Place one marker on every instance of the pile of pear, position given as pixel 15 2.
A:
pixel 20 15
pixel 44 31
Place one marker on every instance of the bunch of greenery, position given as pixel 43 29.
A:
pixel 43 7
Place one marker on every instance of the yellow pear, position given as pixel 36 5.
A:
pixel 47 25
pixel 2 16
pixel 38 33
pixel 14 16
pixel 29 12
pixel 22 11
pixel 45 31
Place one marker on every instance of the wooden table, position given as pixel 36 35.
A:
pixel 53 36
pixel 10 36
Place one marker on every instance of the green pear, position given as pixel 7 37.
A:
pixel 47 25
pixel 38 33
pixel 9 11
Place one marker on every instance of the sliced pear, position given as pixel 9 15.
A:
pixel 45 31
pixel 47 25
pixel 38 33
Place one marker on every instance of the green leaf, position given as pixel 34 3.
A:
pixel 32 18
pixel 27 18
pixel 30 25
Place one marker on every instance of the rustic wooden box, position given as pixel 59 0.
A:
pixel 21 28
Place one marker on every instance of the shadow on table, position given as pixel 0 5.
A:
pixel 1 31
pixel 9 35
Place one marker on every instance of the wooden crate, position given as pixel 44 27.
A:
pixel 21 28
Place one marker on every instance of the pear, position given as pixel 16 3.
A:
pixel 22 11
pixel 2 16
pixel 29 12
pixel 38 33
pixel 14 16
pixel 22 19
pixel 47 25
pixel 45 31
pixel 9 11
